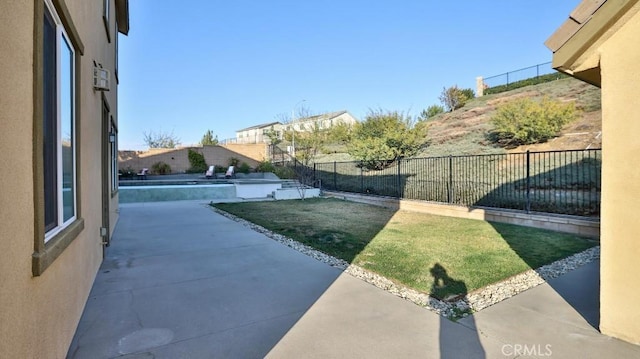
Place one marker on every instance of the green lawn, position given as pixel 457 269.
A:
pixel 443 256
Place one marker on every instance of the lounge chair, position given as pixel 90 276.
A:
pixel 210 172
pixel 142 175
pixel 230 173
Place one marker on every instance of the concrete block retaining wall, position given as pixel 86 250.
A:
pixel 294 193
pixel 570 224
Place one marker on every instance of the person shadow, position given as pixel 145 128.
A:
pixel 456 340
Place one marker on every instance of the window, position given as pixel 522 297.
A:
pixel 113 150
pixel 106 10
pixel 58 123
pixel 115 39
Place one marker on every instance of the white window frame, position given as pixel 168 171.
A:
pixel 61 35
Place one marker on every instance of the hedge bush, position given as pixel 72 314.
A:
pixel 197 162
pixel 244 168
pixel 527 121
pixel 265 166
pixel 161 168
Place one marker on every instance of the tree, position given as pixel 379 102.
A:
pixel 208 139
pixel 303 112
pixel 309 142
pixel 454 98
pixel 526 121
pixel 305 175
pixel 385 137
pixel 161 139
pixel 274 136
pixel 430 112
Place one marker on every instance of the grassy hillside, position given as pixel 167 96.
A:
pixel 465 131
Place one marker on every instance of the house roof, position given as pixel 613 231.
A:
pixel 259 126
pixel 324 116
pixel 575 43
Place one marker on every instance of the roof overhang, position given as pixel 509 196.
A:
pixel 122 16
pixel 576 43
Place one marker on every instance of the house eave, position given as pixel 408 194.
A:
pixel 578 54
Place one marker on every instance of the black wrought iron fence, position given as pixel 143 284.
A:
pixel 564 182
pixel 522 77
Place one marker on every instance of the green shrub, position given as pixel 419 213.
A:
pixel 469 94
pixel 526 121
pixel 430 111
pixel 385 137
pixel 161 168
pixel 284 172
pixel 244 168
pixel 127 172
pixel 197 162
pixel 233 161
pixel 265 166
pixel 454 98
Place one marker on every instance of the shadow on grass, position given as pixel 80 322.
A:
pixel 559 188
pixel 442 280
pixel 573 188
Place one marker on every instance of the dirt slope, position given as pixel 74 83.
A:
pixel 465 131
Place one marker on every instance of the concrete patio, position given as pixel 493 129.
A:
pixel 181 281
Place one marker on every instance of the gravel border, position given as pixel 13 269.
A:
pixel 472 302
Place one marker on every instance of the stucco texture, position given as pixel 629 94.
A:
pixel 620 289
pixel 39 314
pixel 178 159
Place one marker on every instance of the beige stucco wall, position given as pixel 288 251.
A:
pixel 39 315
pixel 179 161
pixel 256 152
pixel 620 228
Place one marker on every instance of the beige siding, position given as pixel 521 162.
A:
pixel 179 161
pixel 39 314
pixel 620 289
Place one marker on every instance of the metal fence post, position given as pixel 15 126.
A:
pixel 398 182
pixel 450 191
pixel 565 185
pixel 335 176
pixel 314 173
pixel 528 182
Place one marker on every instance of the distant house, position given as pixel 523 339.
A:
pixel 598 44
pixel 258 133
pixel 59 138
pixel 323 121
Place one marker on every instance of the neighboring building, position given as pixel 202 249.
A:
pixel 258 133
pixel 599 45
pixel 323 121
pixel 59 165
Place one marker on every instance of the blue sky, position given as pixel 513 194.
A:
pixel 189 66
